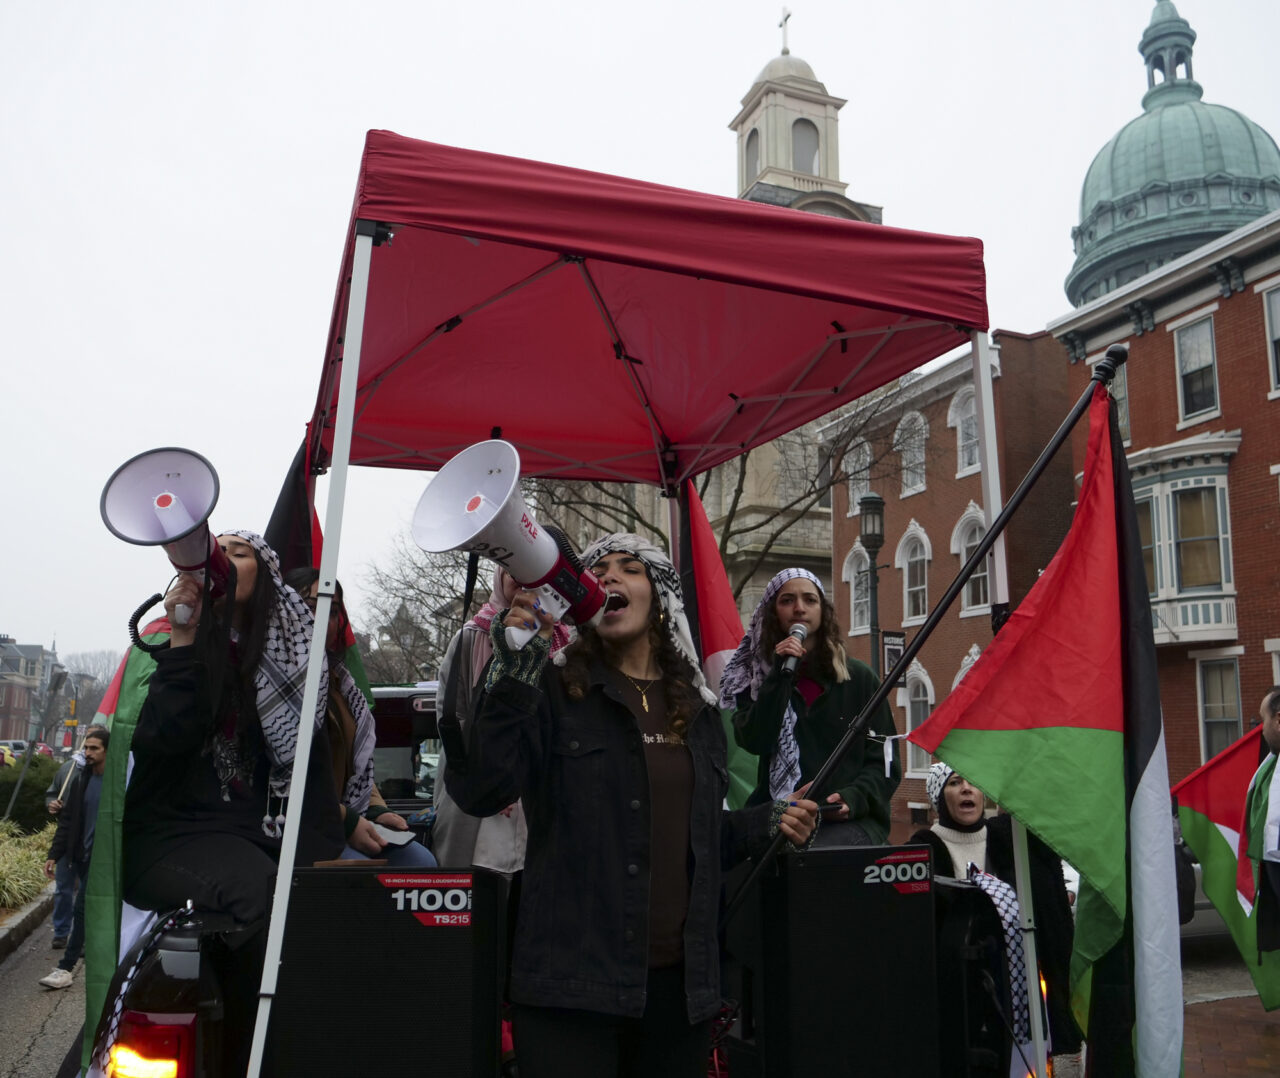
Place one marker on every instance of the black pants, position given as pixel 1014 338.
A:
pixel 217 872
pixel 556 1042
pixel 75 945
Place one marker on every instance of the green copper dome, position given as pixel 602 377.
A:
pixel 1178 176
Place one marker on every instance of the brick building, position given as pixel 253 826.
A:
pixel 922 458
pixel 1200 409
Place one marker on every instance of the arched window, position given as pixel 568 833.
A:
pixel 963 416
pixel 804 147
pixel 909 441
pixel 858 468
pixel 751 163
pixel 917 698
pixel 965 537
pixel 855 574
pixel 913 556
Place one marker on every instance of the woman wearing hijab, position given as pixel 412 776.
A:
pixel 214 747
pixel 618 754
pixel 793 719
pixel 964 835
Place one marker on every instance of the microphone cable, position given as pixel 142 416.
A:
pixel 988 983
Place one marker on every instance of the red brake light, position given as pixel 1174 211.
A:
pixel 154 1046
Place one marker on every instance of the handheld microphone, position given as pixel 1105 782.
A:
pixel 790 663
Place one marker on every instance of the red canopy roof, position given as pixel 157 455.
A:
pixel 602 322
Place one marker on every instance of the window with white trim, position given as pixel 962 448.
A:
pixel 963 416
pixel 909 442
pixel 858 468
pixel 918 700
pixel 975 595
pixel 966 664
pixel 1185 527
pixel 1220 715
pixel 915 601
pixel 1273 336
pixel 913 556
pixel 856 573
pixel 1197 369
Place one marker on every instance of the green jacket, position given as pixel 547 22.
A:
pixel 860 779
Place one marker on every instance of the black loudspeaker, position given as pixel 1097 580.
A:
pixel 428 944
pixel 833 964
pixel 973 982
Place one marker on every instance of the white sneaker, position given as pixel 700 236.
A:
pixel 59 978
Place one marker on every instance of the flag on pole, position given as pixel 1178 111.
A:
pixel 1059 721
pixel 1211 809
pixel 716 624
pixel 104 888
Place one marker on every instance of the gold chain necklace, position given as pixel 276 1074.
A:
pixel 644 692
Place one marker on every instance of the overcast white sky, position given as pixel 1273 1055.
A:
pixel 176 181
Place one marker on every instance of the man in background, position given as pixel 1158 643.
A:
pixel 64 878
pixel 74 841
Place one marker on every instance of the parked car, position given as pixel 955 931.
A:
pixel 15 745
pixel 43 749
pixel 7 757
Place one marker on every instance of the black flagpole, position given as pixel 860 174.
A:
pixel 1104 370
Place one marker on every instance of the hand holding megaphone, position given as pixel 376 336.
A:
pixel 526 619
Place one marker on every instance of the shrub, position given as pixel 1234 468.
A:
pixel 28 811
pixel 22 857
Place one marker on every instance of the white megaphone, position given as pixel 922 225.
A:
pixel 163 498
pixel 474 504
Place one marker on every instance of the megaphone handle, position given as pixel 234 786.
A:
pixel 517 636
pixel 181 611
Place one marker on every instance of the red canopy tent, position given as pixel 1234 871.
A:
pixel 610 329
pixel 608 325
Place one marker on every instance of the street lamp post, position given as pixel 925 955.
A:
pixel 871 514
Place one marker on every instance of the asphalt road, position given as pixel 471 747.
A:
pixel 37 1025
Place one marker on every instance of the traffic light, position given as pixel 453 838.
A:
pixel 71 707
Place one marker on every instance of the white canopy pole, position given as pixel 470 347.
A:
pixel 345 421
pixel 993 502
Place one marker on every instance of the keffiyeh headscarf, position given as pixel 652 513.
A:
pixel 936 781
pixel 282 670
pixel 666 585
pixel 748 669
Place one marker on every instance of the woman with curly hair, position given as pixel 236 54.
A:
pixel 793 719
pixel 619 755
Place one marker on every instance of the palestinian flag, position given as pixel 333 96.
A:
pixel 104 890
pixel 1211 809
pixel 715 624
pixel 1059 722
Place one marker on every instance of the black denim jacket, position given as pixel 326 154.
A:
pixel 579 766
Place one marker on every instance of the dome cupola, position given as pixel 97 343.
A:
pixel 1176 177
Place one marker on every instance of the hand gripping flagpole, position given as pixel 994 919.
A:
pixel 1103 372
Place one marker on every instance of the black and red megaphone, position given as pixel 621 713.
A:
pixel 474 504
pixel 163 498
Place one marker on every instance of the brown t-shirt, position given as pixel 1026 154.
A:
pixel 670 768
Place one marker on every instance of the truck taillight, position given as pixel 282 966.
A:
pixel 153 1046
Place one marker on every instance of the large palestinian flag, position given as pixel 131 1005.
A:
pixel 104 890
pixel 1211 809
pixel 1059 722
pixel 715 623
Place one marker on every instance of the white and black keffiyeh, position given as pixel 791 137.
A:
pixel 282 670
pixel 935 782
pixel 666 582
pixel 360 785
pixel 747 669
pixel 1005 900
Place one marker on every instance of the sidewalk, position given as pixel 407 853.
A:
pixel 1230 1037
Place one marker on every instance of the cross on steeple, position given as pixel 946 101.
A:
pixel 786 18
